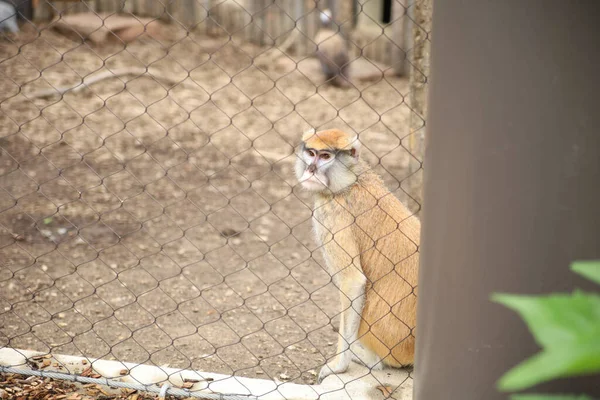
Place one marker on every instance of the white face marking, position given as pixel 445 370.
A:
pixel 316 163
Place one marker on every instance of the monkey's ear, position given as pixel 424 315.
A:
pixel 355 149
pixel 307 134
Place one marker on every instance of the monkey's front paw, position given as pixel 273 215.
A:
pixel 335 367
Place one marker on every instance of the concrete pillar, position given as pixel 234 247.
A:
pixel 512 183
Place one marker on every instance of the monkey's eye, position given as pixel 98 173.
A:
pixel 325 156
pixel 310 153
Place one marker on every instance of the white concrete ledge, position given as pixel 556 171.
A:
pixel 357 383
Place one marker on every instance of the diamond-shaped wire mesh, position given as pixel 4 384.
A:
pixel 151 214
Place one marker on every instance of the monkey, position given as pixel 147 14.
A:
pixel 332 52
pixel 370 243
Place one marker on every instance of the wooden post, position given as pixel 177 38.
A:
pixel 511 185
pixel 258 21
pixel 24 9
pixel 408 34
pixel 399 46
pixel 209 23
pixel 312 26
pixel 333 6
pixel 419 72
pixel 299 9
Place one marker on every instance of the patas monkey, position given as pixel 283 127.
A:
pixel 370 244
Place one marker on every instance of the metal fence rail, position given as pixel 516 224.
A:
pixel 148 208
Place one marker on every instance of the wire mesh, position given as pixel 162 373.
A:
pixel 149 212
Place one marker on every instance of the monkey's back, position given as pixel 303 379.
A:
pixel 388 238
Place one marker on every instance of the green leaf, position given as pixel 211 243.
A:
pixel 567 327
pixel 558 319
pixel 558 362
pixel 587 269
pixel 47 220
pixel 550 397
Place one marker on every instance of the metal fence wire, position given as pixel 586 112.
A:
pixel 149 211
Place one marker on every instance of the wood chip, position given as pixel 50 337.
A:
pixel 385 390
pixel 18 238
pixel 284 377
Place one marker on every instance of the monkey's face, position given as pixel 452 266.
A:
pixel 322 170
pixel 311 168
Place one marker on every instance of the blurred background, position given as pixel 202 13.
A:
pixel 148 207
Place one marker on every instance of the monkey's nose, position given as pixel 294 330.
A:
pixel 312 168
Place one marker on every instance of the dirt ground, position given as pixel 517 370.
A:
pixel 156 220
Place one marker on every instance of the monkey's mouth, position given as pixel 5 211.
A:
pixel 311 181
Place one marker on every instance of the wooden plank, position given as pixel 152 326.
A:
pixel 43 12
pixel 209 23
pixel 398 53
pixel 312 25
pixel 299 10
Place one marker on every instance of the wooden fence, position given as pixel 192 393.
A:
pixel 266 22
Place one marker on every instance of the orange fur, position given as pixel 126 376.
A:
pixel 330 139
pixel 369 228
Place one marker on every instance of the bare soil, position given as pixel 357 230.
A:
pixel 158 222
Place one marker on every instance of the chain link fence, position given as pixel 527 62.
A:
pixel 149 212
